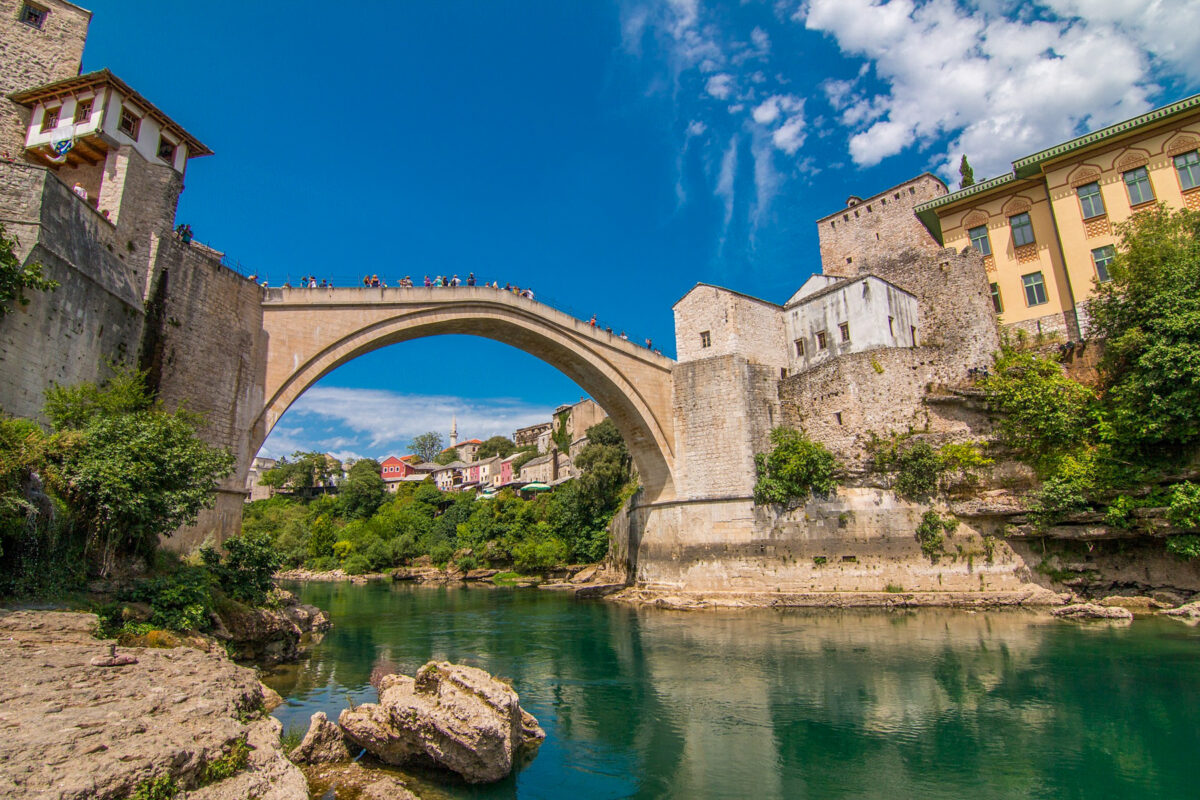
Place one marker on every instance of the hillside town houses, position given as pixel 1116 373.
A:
pixel 551 464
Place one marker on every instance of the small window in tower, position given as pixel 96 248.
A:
pixel 166 149
pixel 845 217
pixel 849 260
pixel 856 213
pixel 844 329
pixel 832 224
pixel 705 339
pixel 877 237
pixel 83 110
pixel 883 201
pixel 34 16
pixel 130 123
pixel 912 190
pixel 897 195
pixel 868 209
pixel 799 347
pixel 822 340
pixel 50 119
pixel 838 416
pixel 997 303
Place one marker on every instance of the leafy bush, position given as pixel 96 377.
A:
pixel 16 277
pixel 129 471
pixel 180 601
pixel 1042 411
pixel 1149 317
pixel 1184 511
pixel 1186 547
pixel 931 533
pixel 357 564
pixel 918 470
pixel 795 468
pixel 244 573
pixel 162 787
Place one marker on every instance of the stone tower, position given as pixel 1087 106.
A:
pixel 453 430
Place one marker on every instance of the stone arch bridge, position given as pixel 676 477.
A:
pixel 313 331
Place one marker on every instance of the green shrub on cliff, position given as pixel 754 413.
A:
pixel 795 468
pixel 15 277
pixel 1184 511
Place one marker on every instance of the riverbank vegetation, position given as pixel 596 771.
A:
pixel 364 529
pixel 83 507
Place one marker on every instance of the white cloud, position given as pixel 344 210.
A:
pixel 999 85
pixel 696 128
pixel 720 86
pixel 789 136
pixel 349 422
pixel 766 113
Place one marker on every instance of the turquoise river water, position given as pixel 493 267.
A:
pixel 785 704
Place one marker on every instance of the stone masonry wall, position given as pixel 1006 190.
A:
pixel 736 325
pixel 30 57
pixel 94 318
pixel 877 227
pixel 724 410
pixel 140 198
pixel 207 351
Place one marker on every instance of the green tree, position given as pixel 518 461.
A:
pixel 496 446
pixel 364 490
pixel 427 445
pixel 1043 413
pixel 301 475
pixel 794 468
pixel 244 572
pixel 966 175
pixel 15 278
pixel 1149 316
pixel 128 470
pixel 446 456
pixel 528 453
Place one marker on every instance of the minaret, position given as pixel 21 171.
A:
pixel 453 430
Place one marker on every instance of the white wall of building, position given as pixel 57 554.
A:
pixel 876 314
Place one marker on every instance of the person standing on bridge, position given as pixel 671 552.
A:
pixel 455 281
pixel 592 321
pixel 471 279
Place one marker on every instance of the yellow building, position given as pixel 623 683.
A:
pixel 1048 228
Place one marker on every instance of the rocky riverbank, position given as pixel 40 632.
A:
pixel 86 719
pixel 280 632
pixel 584 579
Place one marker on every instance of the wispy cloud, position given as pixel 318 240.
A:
pixel 357 423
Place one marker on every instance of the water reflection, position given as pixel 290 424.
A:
pixel 651 703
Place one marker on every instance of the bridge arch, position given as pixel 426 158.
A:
pixel 310 332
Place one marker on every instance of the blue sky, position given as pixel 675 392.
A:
pixel 607 154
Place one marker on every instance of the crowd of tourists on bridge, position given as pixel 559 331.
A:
pixel 375 282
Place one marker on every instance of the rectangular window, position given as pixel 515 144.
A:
pixel 1188 166
pixel 705 339
pixel 33 15
pixel 996 303
pixel 1137 181
pixel 1022 229
pixel 50 119
pixel 1090 200
pixel 83 110
pixel 799 347
pixel 1035 289
pixel 1102 257
pixel 130 123
pixel 980 241
pixel 844 328
pixel 822 340
pixel 166 151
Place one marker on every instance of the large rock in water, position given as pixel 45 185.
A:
pixel 458 717
pixel 1085 611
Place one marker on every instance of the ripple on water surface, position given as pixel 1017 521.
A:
pixel 784 704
